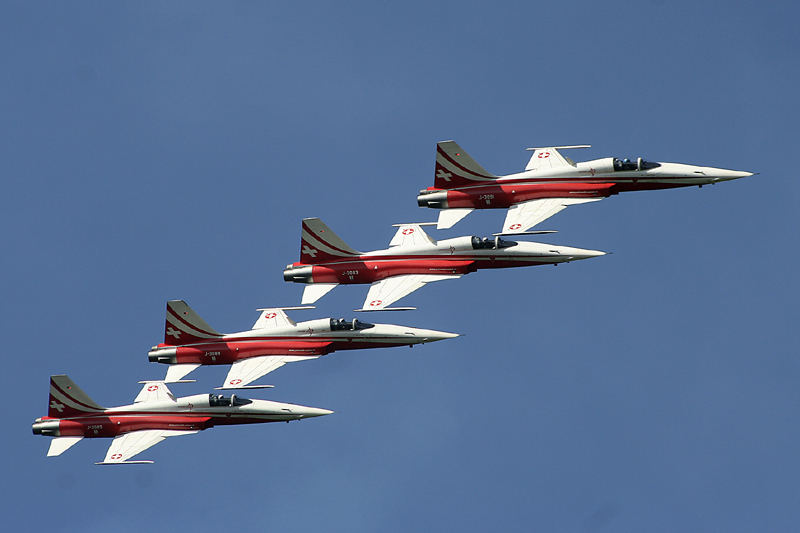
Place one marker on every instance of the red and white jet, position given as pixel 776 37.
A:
pixel 155 415
pixel 412 260
pixel 549 183
pixel 275 340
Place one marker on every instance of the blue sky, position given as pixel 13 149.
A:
pixel 154 150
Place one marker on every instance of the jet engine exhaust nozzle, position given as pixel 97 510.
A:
pixel 298 274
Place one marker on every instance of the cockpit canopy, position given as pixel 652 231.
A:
pixel 639 164
pixel 485 243
pixel 218 400
pixel 340 324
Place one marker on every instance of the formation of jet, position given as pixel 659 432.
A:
pixel 275 340
pixel 155 415
pixel 412 260
pixel 549 183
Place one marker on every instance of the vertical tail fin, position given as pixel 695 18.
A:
pixel 184 326
pixel 68 400
pixel 455 168
pixel 319 244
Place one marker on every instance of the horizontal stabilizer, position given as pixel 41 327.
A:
pixel 61 444
pixel 175 373
pixel 315 291
pixel 450 217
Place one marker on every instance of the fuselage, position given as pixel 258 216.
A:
pixel 599 178
pixel 457 256
pixel 190 413
pixel 309 338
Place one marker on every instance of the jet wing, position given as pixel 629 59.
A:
pixel 154 391
pixel 387 291
pixel 126 446
pixel 410 235
pixel 523 216
pixel 550 158
pixel 245 371
pixel 273 317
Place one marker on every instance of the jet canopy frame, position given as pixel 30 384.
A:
pixel 485 243
pixel 639 164
pixel 340 324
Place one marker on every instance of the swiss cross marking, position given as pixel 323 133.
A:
pixel 310 251
pixel 270 315
pixel 515 226
pixel 544 155
pixel 235 381
pixel 174 332
pixel 57 406
pixel 408 231
pixel 116 456
pixel 444 175
pixel 152 388
pixel 375 303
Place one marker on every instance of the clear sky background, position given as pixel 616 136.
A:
pixel 154 150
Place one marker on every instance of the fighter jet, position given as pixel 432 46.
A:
pixel 274 341
pixel 549 183
pixel 412 260
pixel 155 415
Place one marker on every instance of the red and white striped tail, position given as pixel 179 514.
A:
pixel 319 244
pixel 68 400
pixel 455 168
pixel 184 326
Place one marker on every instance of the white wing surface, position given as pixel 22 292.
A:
pixel 550 158
pixel 273 318
pixel 450 217
pixel 154 391
pixel 410 235
pixel 523 216
pixel 315 291
pixel 246 371
pixel 387 291
pixel 125 447
pixel 61 444
pixel 177 372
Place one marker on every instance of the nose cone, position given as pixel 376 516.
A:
pixel 722 174
pixel 431 335
pixel 575 254
pixel 311 412
pixel 419 336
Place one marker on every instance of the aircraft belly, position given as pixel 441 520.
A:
pixel 376 270
pixel 507 194
pixel 230 352
pixel 111 426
